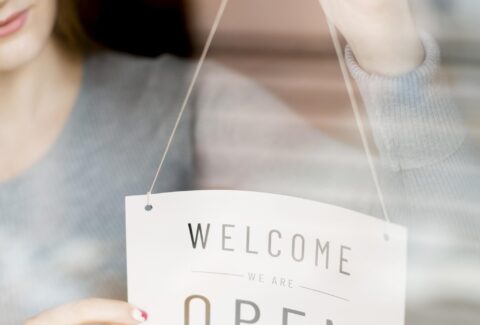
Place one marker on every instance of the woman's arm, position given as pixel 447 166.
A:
pixel 431 166
pixel 431 177
pixel 247 139
pixel 431 163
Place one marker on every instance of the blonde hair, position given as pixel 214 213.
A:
pixel 68 28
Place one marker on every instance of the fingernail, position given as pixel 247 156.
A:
pixel 139 315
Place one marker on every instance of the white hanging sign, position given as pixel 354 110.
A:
pixel 232 258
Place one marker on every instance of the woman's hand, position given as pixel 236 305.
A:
pixel 381 33
pixel 91 311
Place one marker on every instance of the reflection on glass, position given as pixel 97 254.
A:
pixel 83 126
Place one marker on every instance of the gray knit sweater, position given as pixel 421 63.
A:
pixel 62 221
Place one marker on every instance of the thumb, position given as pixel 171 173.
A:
pixel 91 311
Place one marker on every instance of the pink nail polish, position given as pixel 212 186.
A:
pixel 140 315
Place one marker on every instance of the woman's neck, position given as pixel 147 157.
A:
pixel 36 101
pixel 28 90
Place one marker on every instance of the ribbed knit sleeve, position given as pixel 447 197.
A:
pixel 431 178
pixel 414 119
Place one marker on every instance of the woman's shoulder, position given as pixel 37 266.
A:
pixel 134 84
pixel 129 69
pixel 116 66
pixel 159 85
pixel 124 92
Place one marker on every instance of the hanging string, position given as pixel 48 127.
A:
pixel 348 83
pixel 198 68
pixel 356 110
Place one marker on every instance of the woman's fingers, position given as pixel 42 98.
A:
pixel 91 311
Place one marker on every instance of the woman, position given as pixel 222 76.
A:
pixel 79 132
